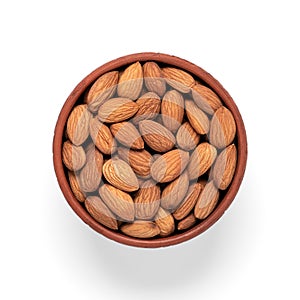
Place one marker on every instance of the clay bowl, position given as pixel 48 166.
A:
pixel 227 197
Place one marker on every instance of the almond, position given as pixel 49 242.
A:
pixel 201 160
pixel 223 128
pixel 141 229
pixel 102 137
pixel 91 174
pixel 73 156
pixel 78 124
pixel 119 174
pixel 165 222
pixel 198 119
pixel 149 107
pixel 172 110
pixel 131 81
pixel 189 201
pixel 187 138
pixel 187 222
pixel 74 184
pixel 157 137
pixel 127 135
pixel 206 99
pixel 100 212
pixel 154 80
pixel 207 201
pixel 178 79
pixel 119 202
pixel 224 167
pixel 147 201
pixel 117 110
pixel 173 194
pixel 169 166
pixel 140 161
pixel 101 90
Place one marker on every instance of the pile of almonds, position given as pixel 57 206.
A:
pixel 149 150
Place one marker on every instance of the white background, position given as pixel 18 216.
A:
pixel 251 47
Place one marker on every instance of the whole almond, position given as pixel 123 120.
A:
pixel 174 193
pixel 178 79
pixel 189 201
pixel 74 184
pixel 154 80
pixel 91 174
pixel 101 90
pixel 100 212
pixel 198 119
pixel 131 81
pixel 117 110
pixel 141 229
pixel 207 201
pixel 172 110
pixel 140 161
pixel 149 107
pixel 119 202
pixel 127 135
pixel 224 167
pixel 187 222
pixel 73 156
pixel 201 160
pixel 170 165
pixel 165 221
pixel 78 124
pixel 157 137
pixel 205 98
pixel 102 137
pixel 187 138
pixel 223 128
pixel 119 174
pixel 147 201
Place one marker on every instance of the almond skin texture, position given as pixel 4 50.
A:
pixel 201 160
pixel 178 79
pixel 157 137
pixel 165 222
pixel 79 195
pixel 73 156
pixel 141 229
pixel 78 124
pixel 127 135
pixel 100 212
pixel 102 137
pixel 206 99
pixel 187 138
pixel 223 128
pixel 224 167
pixel 174 192
pixel 131 82
pixel 198 119
pixel 147 201
pixel 149 107
pixel 102 89
pixel 140 161
pixel 91 174
pixel 187 222
pixel 153 78
pixel 207 201
pixel 189 201
pixel 170 165
pixel 172 110
pixel 119 174
pixel 119 202
pixel 117 110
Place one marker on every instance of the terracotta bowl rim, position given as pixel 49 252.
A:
pixel 197 72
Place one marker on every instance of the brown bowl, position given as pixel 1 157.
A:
pixel 197 72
